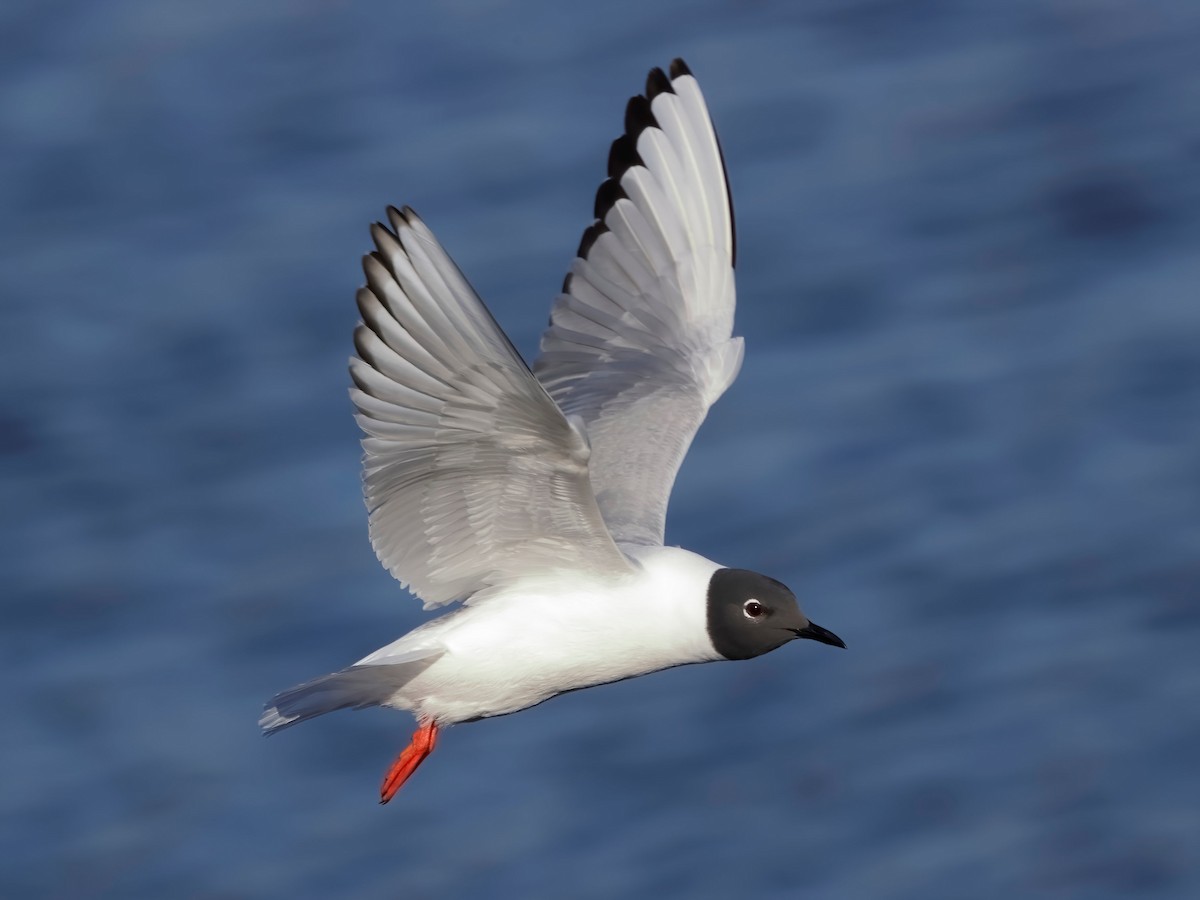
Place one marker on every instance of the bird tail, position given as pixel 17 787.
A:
pixel 356 687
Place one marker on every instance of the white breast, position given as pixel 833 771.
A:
pixel 546 636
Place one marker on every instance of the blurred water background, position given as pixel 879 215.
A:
pixel 967 432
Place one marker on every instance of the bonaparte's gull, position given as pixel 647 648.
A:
pixel 538 499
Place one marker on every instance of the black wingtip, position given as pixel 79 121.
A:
pixel 622 156
pixel 606 197
pixel 590 235
pixel 679 68
pixel 657 83
pixel 638 116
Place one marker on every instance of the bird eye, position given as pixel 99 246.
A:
pixel 753 609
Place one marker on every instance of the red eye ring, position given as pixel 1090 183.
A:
pixel 753 609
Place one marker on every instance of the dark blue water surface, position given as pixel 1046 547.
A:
pixel 967 432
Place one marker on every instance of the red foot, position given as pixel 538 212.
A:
pixel 410 757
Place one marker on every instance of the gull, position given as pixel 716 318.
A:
pixel 537 499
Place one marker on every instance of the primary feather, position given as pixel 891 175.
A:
pixel 639 344
pixel 472 474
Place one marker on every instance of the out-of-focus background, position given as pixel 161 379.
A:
pixel 967 432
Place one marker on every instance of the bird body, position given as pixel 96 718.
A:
pixel 543 638
pixel 537 498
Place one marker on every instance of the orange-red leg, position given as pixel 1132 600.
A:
pixel 421 745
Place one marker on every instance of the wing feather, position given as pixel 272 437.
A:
pixel 472 475
pixel 640 340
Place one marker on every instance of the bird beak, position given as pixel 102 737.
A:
pixel 817 633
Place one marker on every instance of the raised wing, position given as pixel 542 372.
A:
pixel 472 475
pixel 639 344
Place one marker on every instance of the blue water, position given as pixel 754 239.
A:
pixel 967 432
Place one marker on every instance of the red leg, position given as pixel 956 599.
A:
pixel 421 745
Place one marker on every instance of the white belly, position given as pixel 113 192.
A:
pixel 516 650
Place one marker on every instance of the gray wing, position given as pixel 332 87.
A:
pixel 472 475
pixel 639 344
